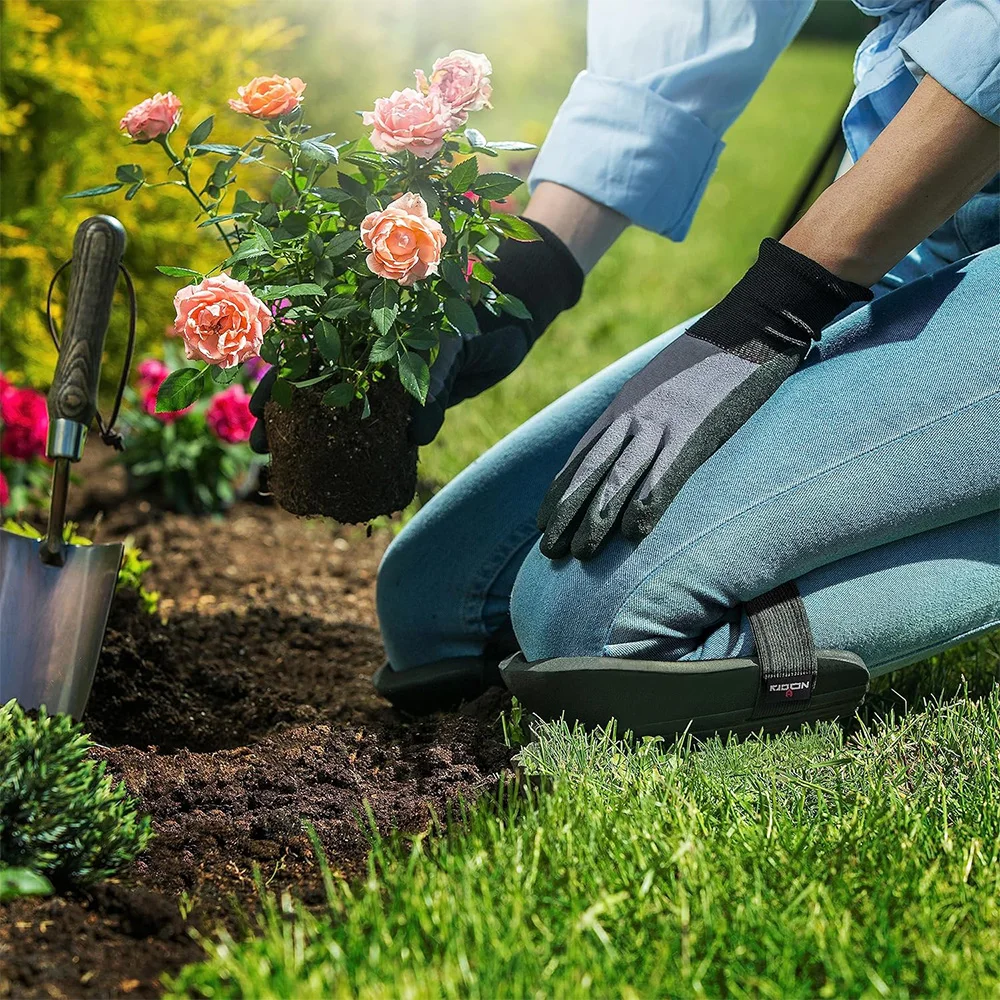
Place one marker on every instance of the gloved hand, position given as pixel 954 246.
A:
pixel 260 395
pixel 689 400
pixel 545 276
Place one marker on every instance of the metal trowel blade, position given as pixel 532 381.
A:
pixel 52 621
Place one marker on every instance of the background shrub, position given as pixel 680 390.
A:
pixel 71 70
pixel 61 816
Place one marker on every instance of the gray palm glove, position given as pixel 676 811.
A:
pixel 689 400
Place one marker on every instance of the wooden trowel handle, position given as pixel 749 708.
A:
pixel 97 252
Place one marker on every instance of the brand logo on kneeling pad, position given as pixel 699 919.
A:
pixel 795 688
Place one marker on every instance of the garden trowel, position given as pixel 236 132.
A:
pixel 54 596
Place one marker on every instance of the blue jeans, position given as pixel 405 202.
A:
pixel 872 478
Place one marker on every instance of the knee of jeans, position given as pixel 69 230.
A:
pixel 574 608
pixel 597 608
pixel 558 609
pixel 401 576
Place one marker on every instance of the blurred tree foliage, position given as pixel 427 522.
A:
pixel 70 71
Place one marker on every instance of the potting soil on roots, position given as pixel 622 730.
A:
pixel 358 467
pixel 242 711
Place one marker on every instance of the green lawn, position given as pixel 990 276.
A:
pixel 863 862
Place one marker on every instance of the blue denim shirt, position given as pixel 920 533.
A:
pixel 641 129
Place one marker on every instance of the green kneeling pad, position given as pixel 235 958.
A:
pixel 700 697
pixel 785 683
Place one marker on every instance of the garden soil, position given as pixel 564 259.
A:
pixel 242 709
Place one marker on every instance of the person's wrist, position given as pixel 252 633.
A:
pixel 586 227
pixel 781 304
pixel 845 256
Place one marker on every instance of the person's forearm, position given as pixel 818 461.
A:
pixel 587 228
pixel 928 161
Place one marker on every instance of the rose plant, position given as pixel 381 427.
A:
pixel 348 268
pixel 24 427
pixel 195 459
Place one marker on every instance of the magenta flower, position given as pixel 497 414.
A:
pixel 229 415
pixel 25 419
pixel 255 368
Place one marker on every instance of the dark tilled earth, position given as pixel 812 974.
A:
pixel 243 709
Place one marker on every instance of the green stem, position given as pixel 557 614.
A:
pixel 295 188
pixel 185 173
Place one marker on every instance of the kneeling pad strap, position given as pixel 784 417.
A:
pixel 785 650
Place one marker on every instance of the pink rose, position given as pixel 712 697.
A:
pixel 410 120
pixel 269 96
pixel 157 115
pixel 461 79
pixel 405 243
pixel 229 415
pixel 4 491
pixel 221 320
pixel 25 420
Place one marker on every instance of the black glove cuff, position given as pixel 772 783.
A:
pixel 782 303
pixel 543 274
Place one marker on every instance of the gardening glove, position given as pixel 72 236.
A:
pixel 545 276
pixel 258 433
pixel 689 400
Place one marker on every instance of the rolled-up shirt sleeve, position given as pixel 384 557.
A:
pixel 959 46
pixel 641 128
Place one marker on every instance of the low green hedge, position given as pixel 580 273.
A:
pixel 61 816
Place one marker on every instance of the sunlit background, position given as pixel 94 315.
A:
pixel 71 68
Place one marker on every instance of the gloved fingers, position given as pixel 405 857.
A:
pixel 488 359
pixel 258 437
pixel 450 359
pixel 674 465
pixel 566 476
pixel 262 393
pixel 558 487
pixel 259 398
pixel 426 420
pixel 651 499
pixel 684 453
pixel 572 490
pixel 604 510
